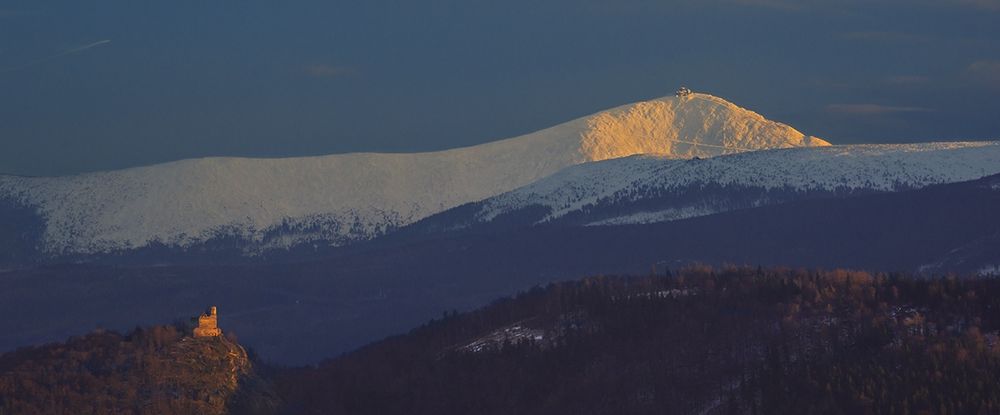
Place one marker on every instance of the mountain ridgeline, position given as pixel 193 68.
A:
pixel 650 162
pixel 253 206
pixel 650 189
pixel 657 184
pixel 318 257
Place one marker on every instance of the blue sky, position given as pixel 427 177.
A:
pixel 97 85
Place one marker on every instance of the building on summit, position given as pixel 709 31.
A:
pixel 683 92
pixel 208 324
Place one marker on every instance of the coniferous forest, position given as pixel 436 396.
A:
pixel 699 340
pixel 730 341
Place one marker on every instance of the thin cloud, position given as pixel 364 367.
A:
pixel 985 72
pixel 75 50
pixel 907 80
pixel 327 71
pixel 85 47
pixel 871 109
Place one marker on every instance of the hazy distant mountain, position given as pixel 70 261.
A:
pixel 337 199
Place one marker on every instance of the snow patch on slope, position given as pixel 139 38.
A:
pixel 665 215
pixel 342 198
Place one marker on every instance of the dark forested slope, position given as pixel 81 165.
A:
pixel 697 341
pixel 738 340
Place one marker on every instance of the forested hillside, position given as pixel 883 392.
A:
pixel 158 370
pixel 738 340
pixel 696 341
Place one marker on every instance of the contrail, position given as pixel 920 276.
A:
pixel 58 55
pixel 85 47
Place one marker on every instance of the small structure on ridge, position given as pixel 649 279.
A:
pixel 208 324
pixel 683 92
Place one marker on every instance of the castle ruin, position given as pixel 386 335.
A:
pixel 208 324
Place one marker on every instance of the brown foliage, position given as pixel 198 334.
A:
pixel 149 371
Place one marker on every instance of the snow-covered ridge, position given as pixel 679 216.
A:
pixel 881 167
pixel 340 198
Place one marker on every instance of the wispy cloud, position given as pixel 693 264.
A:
pixel 84 47
pixel 907 80
pixel 327 71
pixel 871 109
pixel 72 51
pixel 985 72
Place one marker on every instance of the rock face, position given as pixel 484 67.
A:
pixel 150 371
pixel 338 199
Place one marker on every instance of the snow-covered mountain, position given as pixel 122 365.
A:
pixel 337 199
pixel 652 188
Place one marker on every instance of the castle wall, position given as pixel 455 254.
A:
pixel 208 325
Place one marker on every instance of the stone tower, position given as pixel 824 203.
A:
pixel 208 324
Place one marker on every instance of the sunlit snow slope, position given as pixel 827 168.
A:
pixel 652 188
pixel 337 199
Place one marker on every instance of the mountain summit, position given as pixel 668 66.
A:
pixel 694 125
pixel 337 199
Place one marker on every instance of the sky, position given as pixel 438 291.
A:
pixel 99 85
